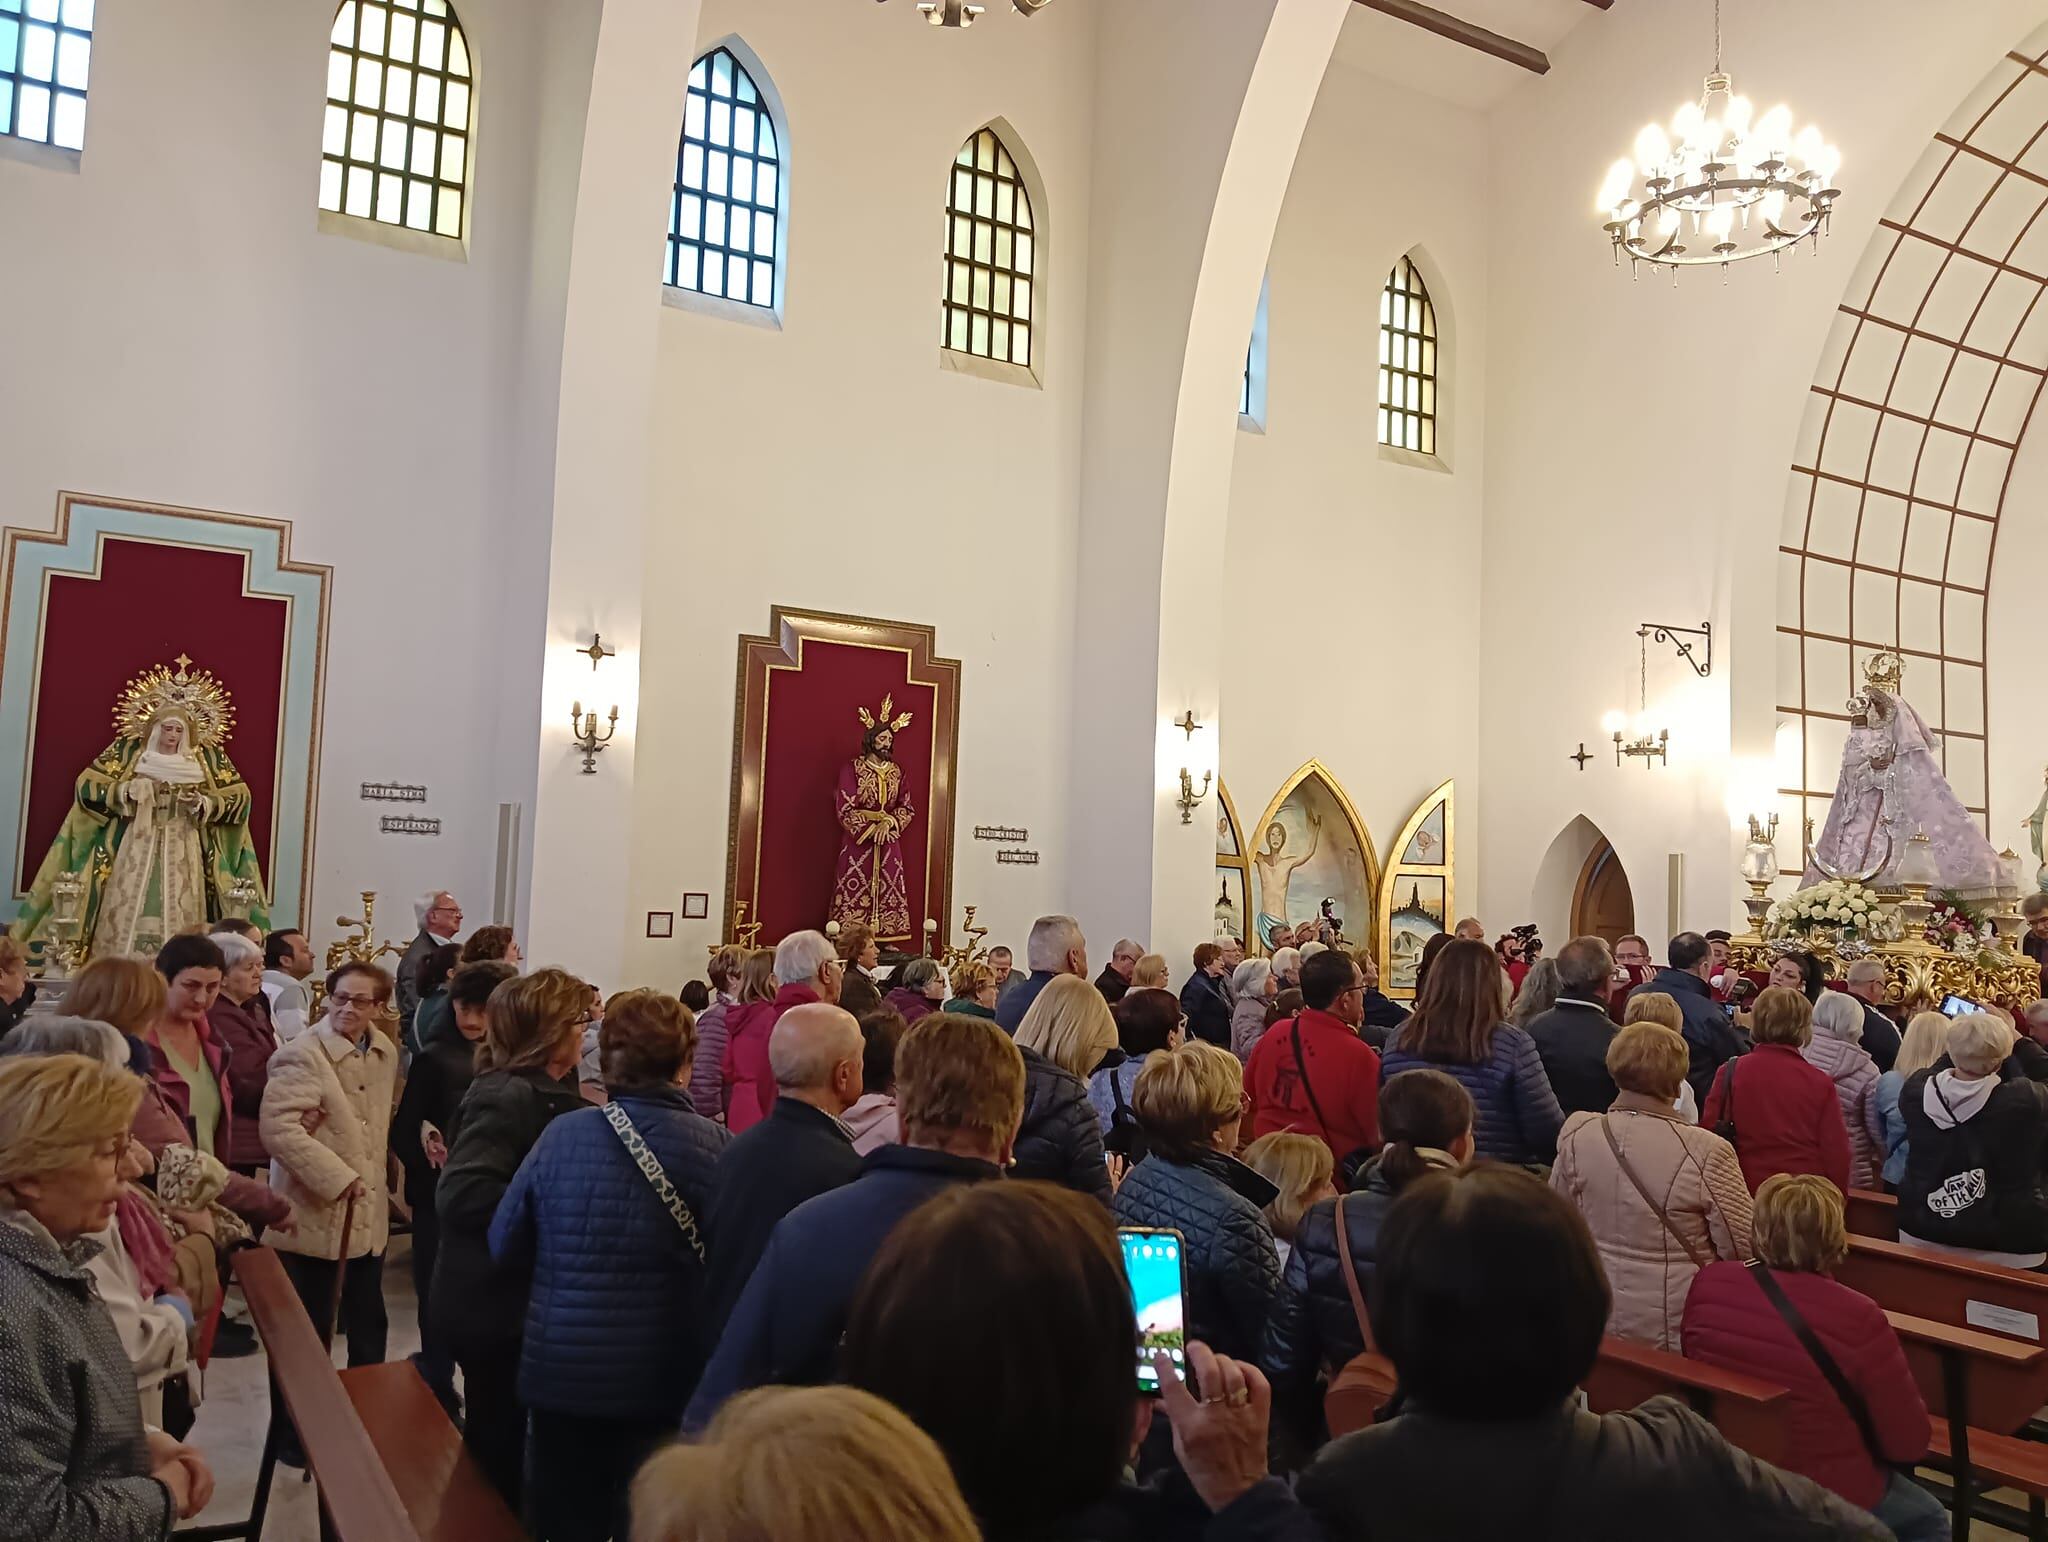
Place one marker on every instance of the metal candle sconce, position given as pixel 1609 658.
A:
pixel 583 733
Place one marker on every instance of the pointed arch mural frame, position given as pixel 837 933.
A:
pixel 1237 860
pixel 1361 927
pixel 1424 854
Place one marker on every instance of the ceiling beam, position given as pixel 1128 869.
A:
pixel 1458 30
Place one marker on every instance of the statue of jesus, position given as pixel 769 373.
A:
pixel 873 812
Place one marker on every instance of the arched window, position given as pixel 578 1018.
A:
pixel 727 206
pixel 990 254
pixel 45 48
pixel 395 148
pixel 1407 362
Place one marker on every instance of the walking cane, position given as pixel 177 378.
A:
pixel 348 1225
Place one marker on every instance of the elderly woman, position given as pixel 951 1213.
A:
pixel 1744 1319
pixel 1973 1182
pixel 1147 1021
pixel 525 1079
pixel 974 992
pixel 1150 973
pixel 1066 1035
pixel 1252 986
pixel 613 1327
pixel 1663 1010
pixel 327 1123
pixel 1537 994
pixel 1837 1049
pixel 1189 1103
pixel 857 947
pixel 1204 998
pixel 749 976
pixel 1287 968
pixel 920 987
pixel 76 1464
pixel 1925 1042
pixel 1782 1112
pixel 240 1020
pixel 1663 1198
pixel 872 1120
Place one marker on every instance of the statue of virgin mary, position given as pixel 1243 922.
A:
pixel 158 831
pixel 1891 788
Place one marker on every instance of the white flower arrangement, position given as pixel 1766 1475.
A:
pixel 1839 905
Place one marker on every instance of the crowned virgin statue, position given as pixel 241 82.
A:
pixel 159 828
pixel 873 813
pixel 1891 789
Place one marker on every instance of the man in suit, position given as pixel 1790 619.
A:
pixel 1573 1036
pixel 1710 1036
pixel 439 916
pixel 1866 981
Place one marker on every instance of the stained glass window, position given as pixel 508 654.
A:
pixel 395 146
pixel 990 256
pixel 1407 362
pixel 45 51
pixel 728 195
pixel 1244 389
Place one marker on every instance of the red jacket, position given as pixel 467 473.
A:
pixel 749 1081
pixel 1787 1117
pixel 1729 1322
pixel 1343 1073
pixel 179 1096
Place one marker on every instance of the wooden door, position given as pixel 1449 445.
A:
pixel 1602 903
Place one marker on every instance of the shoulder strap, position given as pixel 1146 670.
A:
pixel 1350 1269
pixel 1116 1096
pixel 1817 1352
pixel 1628 1171
pixel 650 1169
pixel 1308 1086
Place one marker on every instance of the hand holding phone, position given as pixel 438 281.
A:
pixel 1220 1437
pixel 1155 1267
pixel 1958 1006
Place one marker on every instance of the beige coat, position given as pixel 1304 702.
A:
pixel 1694 1176
pixel 344 1093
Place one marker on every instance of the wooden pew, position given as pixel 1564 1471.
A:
pixel 405 1480
pixel 1959 1291
pixel 1980 1387
pixel 1750 1412
pixel 1872 1214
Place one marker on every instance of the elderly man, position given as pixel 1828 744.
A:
pixel 808 968
pixel 1115 978
pixel 960 1095
pixel 1866 982
pixel 1469 930
pixel 1573 1036
pixel 800 1150
pixel 1233 955
pixel 439 917
pixel 1056 948
pixel 1709 1034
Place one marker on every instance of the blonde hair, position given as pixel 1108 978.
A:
pixel 1924 1042
pixel 528 1017
pixel 1183 1096
pixel 127 992
pixel 757 976
pixel 1070 1024
pixel 1300 1167
pixel 1798 1224
pixel 1655 1007
pixel 970 978
pixel 1149 973
pixel 1649 1058
pixel 1978 1043
pixel 869 1475
pixel 56 1110
pixel 1782 1016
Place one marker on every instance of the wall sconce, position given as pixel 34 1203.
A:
pixel 1189 797
pixel 597 652
pixel 584 735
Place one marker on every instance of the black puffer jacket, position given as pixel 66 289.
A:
pixel 1060 1140
pixel 477 1304
pixel 1233 1270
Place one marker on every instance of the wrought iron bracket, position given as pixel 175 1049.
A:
pixel 1703 662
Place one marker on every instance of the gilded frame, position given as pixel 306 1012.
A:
pixel 1446 796
pixel 1241 864
pixel 1313 768
pixel 780 648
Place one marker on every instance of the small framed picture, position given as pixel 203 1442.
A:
pixel 661 923
pixel 696 907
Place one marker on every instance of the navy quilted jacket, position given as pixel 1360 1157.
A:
pixel 1060 1139
pixel 1515 1115
pixel 1233 1270
pixel 614 1322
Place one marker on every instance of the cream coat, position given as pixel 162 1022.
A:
pixel 1692 1173
pixel 346 1095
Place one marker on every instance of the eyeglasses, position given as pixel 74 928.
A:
pixel 343 999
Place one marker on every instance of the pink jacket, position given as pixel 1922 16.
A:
pixel 872 1122
pixel 749 1080
pixel 1854 1074
pixel 1693 1175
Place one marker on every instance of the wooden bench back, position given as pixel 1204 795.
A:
pixel 1956 1291
pixel 356 1493
pixel 2002 1383
pixel 1872 1214
pixel 1750 1412
pixel 444 1492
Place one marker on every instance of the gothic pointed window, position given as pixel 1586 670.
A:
pixel 45 51
pixel 726 212
pixel 1408 380
pixel 395 146
pixel 991 254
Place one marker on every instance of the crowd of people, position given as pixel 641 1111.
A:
pixel 827 1246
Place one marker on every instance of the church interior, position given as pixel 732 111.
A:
pixel 680 474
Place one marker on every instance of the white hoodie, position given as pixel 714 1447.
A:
pixel 1950 1089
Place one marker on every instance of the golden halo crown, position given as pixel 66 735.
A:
pixel 192 694
pixel 1885 671
pixel 869 720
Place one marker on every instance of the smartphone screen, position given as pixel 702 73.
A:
pixel 1958 1006
pixel 1152 1265
pixel 1728 1010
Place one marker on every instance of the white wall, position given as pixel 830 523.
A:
pixel 1354 630
pixel 181 332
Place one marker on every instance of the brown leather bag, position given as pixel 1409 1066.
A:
pixel 1365 1384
